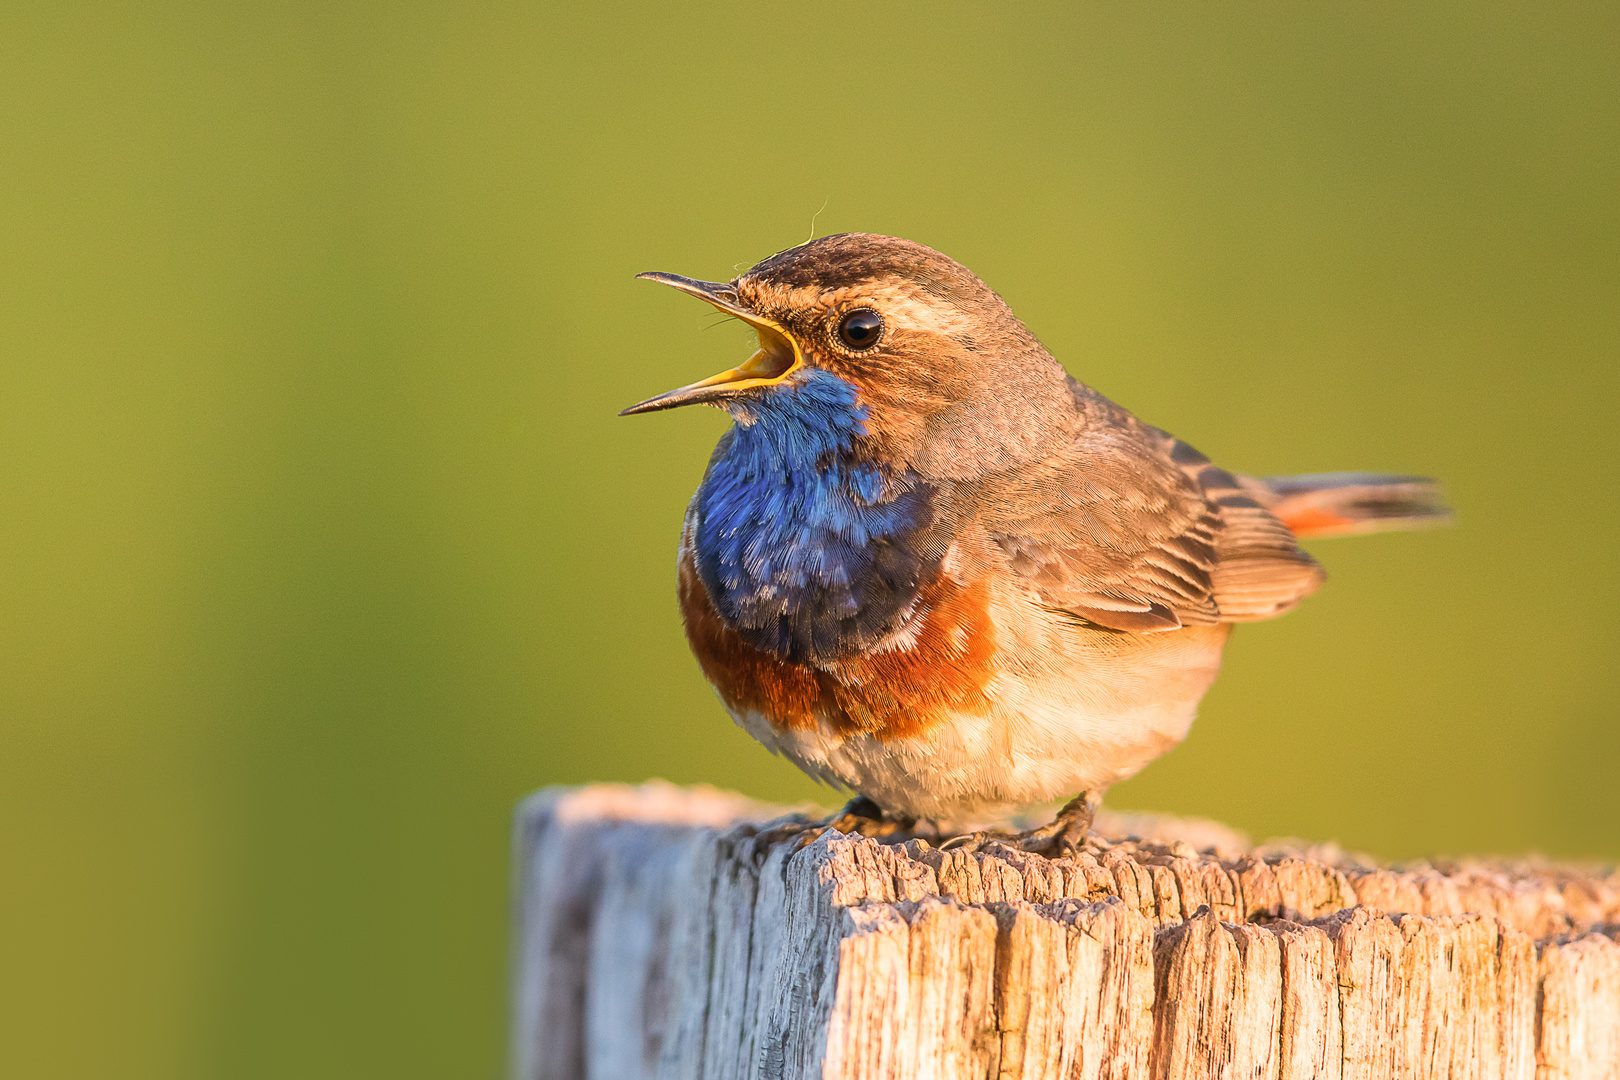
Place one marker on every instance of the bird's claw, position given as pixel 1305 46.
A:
pixel 1063 836
pixel 860 816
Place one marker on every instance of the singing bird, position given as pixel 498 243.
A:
pixel 930 567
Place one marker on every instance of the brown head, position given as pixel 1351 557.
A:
pixel 951 381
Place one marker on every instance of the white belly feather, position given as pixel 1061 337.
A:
pixel 1093 711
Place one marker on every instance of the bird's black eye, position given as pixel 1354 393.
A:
pixel 860 329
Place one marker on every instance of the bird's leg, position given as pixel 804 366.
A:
pixel 860 816
pixel 1063 835
pixel 865 818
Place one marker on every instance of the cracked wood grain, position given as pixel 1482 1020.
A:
pixel 667 933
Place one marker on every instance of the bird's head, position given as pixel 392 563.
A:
pixel 937 362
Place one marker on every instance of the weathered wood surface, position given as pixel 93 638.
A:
pixel 661 935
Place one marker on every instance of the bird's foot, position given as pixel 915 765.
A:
pixel 860 816
pixel 1063 835
pixel 864 817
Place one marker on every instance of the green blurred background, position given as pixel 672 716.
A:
pixel 320 543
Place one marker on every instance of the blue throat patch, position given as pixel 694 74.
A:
pixel 807 550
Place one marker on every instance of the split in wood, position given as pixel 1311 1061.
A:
pixel 667 933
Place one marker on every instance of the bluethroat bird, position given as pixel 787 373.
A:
pixel 930 567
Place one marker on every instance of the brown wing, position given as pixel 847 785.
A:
pixel 1132 529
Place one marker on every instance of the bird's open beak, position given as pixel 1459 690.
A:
pixel 777 358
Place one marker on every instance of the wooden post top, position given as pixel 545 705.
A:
pixel 663 933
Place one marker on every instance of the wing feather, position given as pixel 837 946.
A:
pixel 1131 529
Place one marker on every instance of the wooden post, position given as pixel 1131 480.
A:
pixel 660 934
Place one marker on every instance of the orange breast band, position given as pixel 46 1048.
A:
pixel 896 693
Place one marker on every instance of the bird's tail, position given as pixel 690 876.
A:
pixel 1335 504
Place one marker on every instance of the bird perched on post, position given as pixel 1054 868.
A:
pixel 930 567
